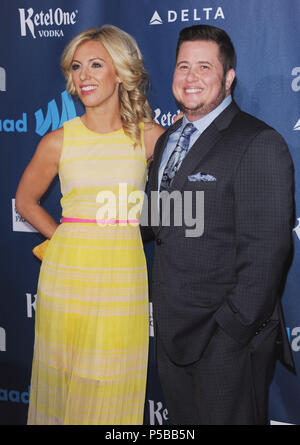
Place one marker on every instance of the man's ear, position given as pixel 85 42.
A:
pixel 229 78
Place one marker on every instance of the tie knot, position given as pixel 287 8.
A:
pixel 188 129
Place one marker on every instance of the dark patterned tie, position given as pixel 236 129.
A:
pixel 177 156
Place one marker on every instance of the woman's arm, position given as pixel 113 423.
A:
pixel 35 181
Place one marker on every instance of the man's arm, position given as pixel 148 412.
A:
pixel 263 218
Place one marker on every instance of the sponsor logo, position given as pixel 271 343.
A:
pixel 275 422
pixel 158 414
pixel 294 338
pixel 2 79
pixel 12 126
pixel 151 327
pixel 53 119
pixel 297 126
pixel 14 396
pixel 44 24
pixel 19 223
pixel 156 19
pixel 296 81
pixel 164 119
pixel 188 15
pixel 2 340
pixel 31 304
pixel 297 229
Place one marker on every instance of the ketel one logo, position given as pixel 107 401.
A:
pixel 47 22
pixel 53 119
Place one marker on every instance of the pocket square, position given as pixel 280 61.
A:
pixel 201 177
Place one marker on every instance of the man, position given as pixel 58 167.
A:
pixel 216 296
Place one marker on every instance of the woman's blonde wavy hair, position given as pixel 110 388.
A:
pixel 129 65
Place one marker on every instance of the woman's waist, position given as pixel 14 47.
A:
pixel 101 221
pixel 86 228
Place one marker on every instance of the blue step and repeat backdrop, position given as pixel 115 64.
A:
pixel 33 101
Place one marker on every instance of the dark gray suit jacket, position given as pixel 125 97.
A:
pixel 232 275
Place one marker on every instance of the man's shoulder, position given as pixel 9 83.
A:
pixel 253 133
pixel 250 121
pixel 238 120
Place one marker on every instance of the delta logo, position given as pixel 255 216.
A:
pixel 188 15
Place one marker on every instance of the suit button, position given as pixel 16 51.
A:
pixel 158 241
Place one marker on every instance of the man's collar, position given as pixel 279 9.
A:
pixel 202 123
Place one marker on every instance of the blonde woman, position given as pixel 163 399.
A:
pixel 91 333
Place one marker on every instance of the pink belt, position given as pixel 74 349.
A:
pixel 99 221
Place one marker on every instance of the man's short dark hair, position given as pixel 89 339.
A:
pixel 214 34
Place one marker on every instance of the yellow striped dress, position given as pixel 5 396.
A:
pixel 91 327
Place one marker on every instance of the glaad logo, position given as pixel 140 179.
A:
pixel 158 414
pixel 52 118
pixel 187 15
pixel 294 338
pixel 57 17
pixel 12 126
pixel 2 340
pixel 15 396
pixel 296 81
pixel 19 223
pixel 296 87
pixel 2 79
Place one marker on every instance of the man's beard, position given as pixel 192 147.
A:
pixel 202 109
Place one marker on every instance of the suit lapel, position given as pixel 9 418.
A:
pixel 200 148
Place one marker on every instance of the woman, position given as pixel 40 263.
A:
pixel 91 334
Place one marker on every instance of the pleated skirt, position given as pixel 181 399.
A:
pixel 91 328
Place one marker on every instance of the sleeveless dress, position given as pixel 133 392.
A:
pixel 92 325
